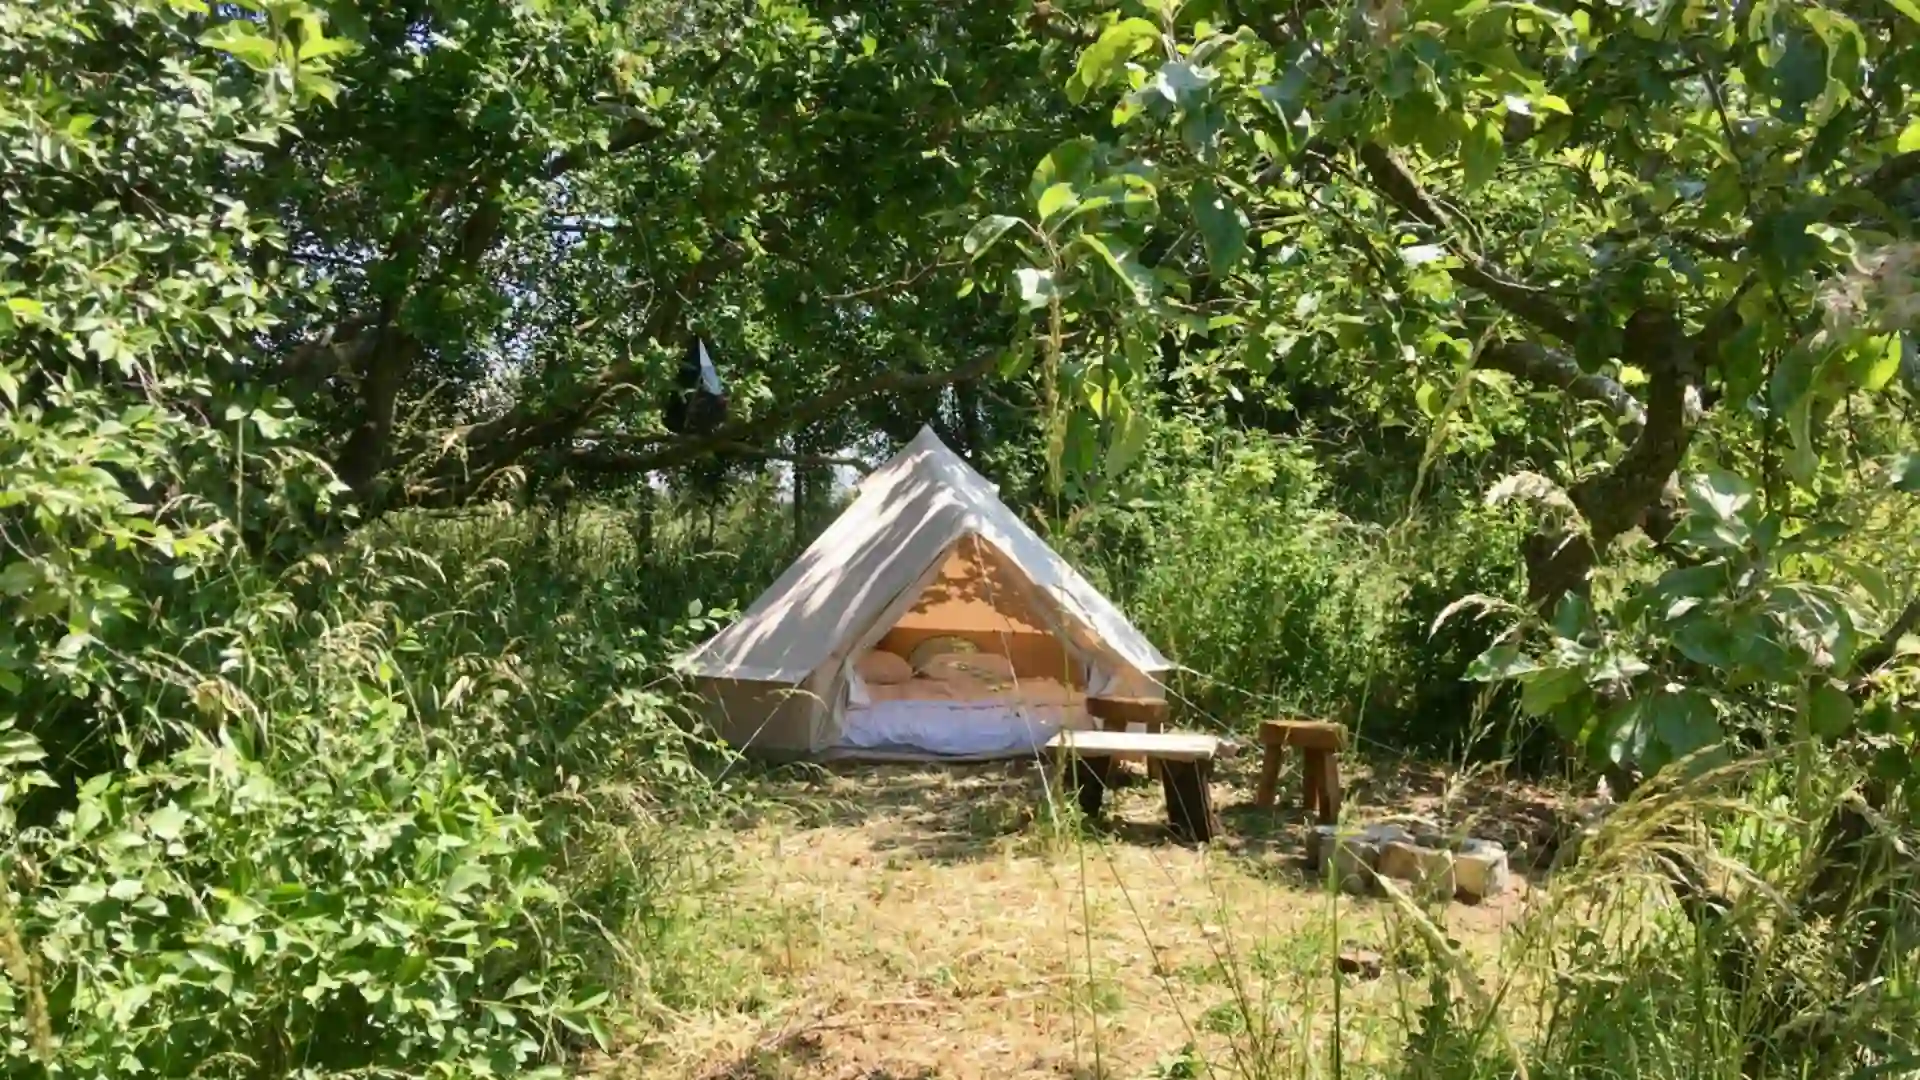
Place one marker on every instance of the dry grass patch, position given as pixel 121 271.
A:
pixel 908 921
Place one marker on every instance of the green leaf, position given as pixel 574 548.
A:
pixel 1903 472
pixel 1108 55
pixel 466 877
pixel 210 960
pixel 1571 615
pixel 1802 460
pixel 238 38
pixel 1910 138
pixel 1684 722
pixel 1072 161
pixel 1829 711
pixel 20 578
pixel 1132 192
pixel 1056 198
pixel 1880 362
pixel 986 232
pixel 1223 228
pixel 1480 150
pixel 321 47
pixel 1701 582
pixel 1909 8
pixel 1035 287
pixel 168 822
pixel 1180 83
pixel 1718 639
pixel 1719 508
pixel 1653 729
pixel 19 748
pixel 1541 691
pixel 1502 661
pixel 1428 398
pixel 1720 495
pixel 1138 279
pixel 1131 429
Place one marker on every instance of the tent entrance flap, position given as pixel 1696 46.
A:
pixel 978 595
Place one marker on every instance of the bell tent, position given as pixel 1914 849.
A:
pixel 928 621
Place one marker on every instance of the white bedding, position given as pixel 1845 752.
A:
pixel 958 729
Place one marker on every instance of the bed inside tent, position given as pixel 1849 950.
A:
pixel 972 670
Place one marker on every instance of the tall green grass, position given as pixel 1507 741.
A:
pixel 424 804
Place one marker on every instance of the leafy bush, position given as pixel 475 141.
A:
pixel 1232 561
pixel 273 802
pixel 346 905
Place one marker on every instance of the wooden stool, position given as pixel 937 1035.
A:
pixel 1120 713
pixel 1319 742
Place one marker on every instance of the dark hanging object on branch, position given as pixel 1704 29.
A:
pixel 698 404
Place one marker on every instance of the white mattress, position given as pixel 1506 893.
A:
pixel 954 729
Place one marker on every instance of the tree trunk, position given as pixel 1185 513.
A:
pixel 799 507
pixel 1619 499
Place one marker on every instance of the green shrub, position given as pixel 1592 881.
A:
pixel 1231 559
pixel 346 904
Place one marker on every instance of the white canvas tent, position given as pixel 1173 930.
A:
pixel 926 548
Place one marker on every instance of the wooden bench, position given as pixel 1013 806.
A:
pixel 1186 770
pixel 1318 741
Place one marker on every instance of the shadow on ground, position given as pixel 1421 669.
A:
pixel 958 813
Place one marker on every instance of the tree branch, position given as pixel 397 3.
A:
pixel 1892 173
pixel 635 131
pixel 1542 366
pixel 894 285
pixel 1394 180
pixel 747 432
pixel 609 458
pixel 1875 656
pixel 1613 501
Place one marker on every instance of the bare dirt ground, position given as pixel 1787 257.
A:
pixel 895 922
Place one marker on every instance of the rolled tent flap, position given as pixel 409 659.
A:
pixel 894 561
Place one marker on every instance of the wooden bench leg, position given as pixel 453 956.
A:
pixel 1269 777
pixel 1311 784
pixel 1153 764
pixel 1329 788
pixel 1190 799
pixel 1090 777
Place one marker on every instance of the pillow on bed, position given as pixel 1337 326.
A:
pixel 974 666
pixel 881 668
pixel 937 646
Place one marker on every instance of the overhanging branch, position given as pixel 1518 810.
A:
pixel 748 432
pixel 1393 179
pixel 1542 366
pixel 608 456
pixel 633 132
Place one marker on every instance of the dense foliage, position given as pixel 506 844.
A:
pixel 1427 363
